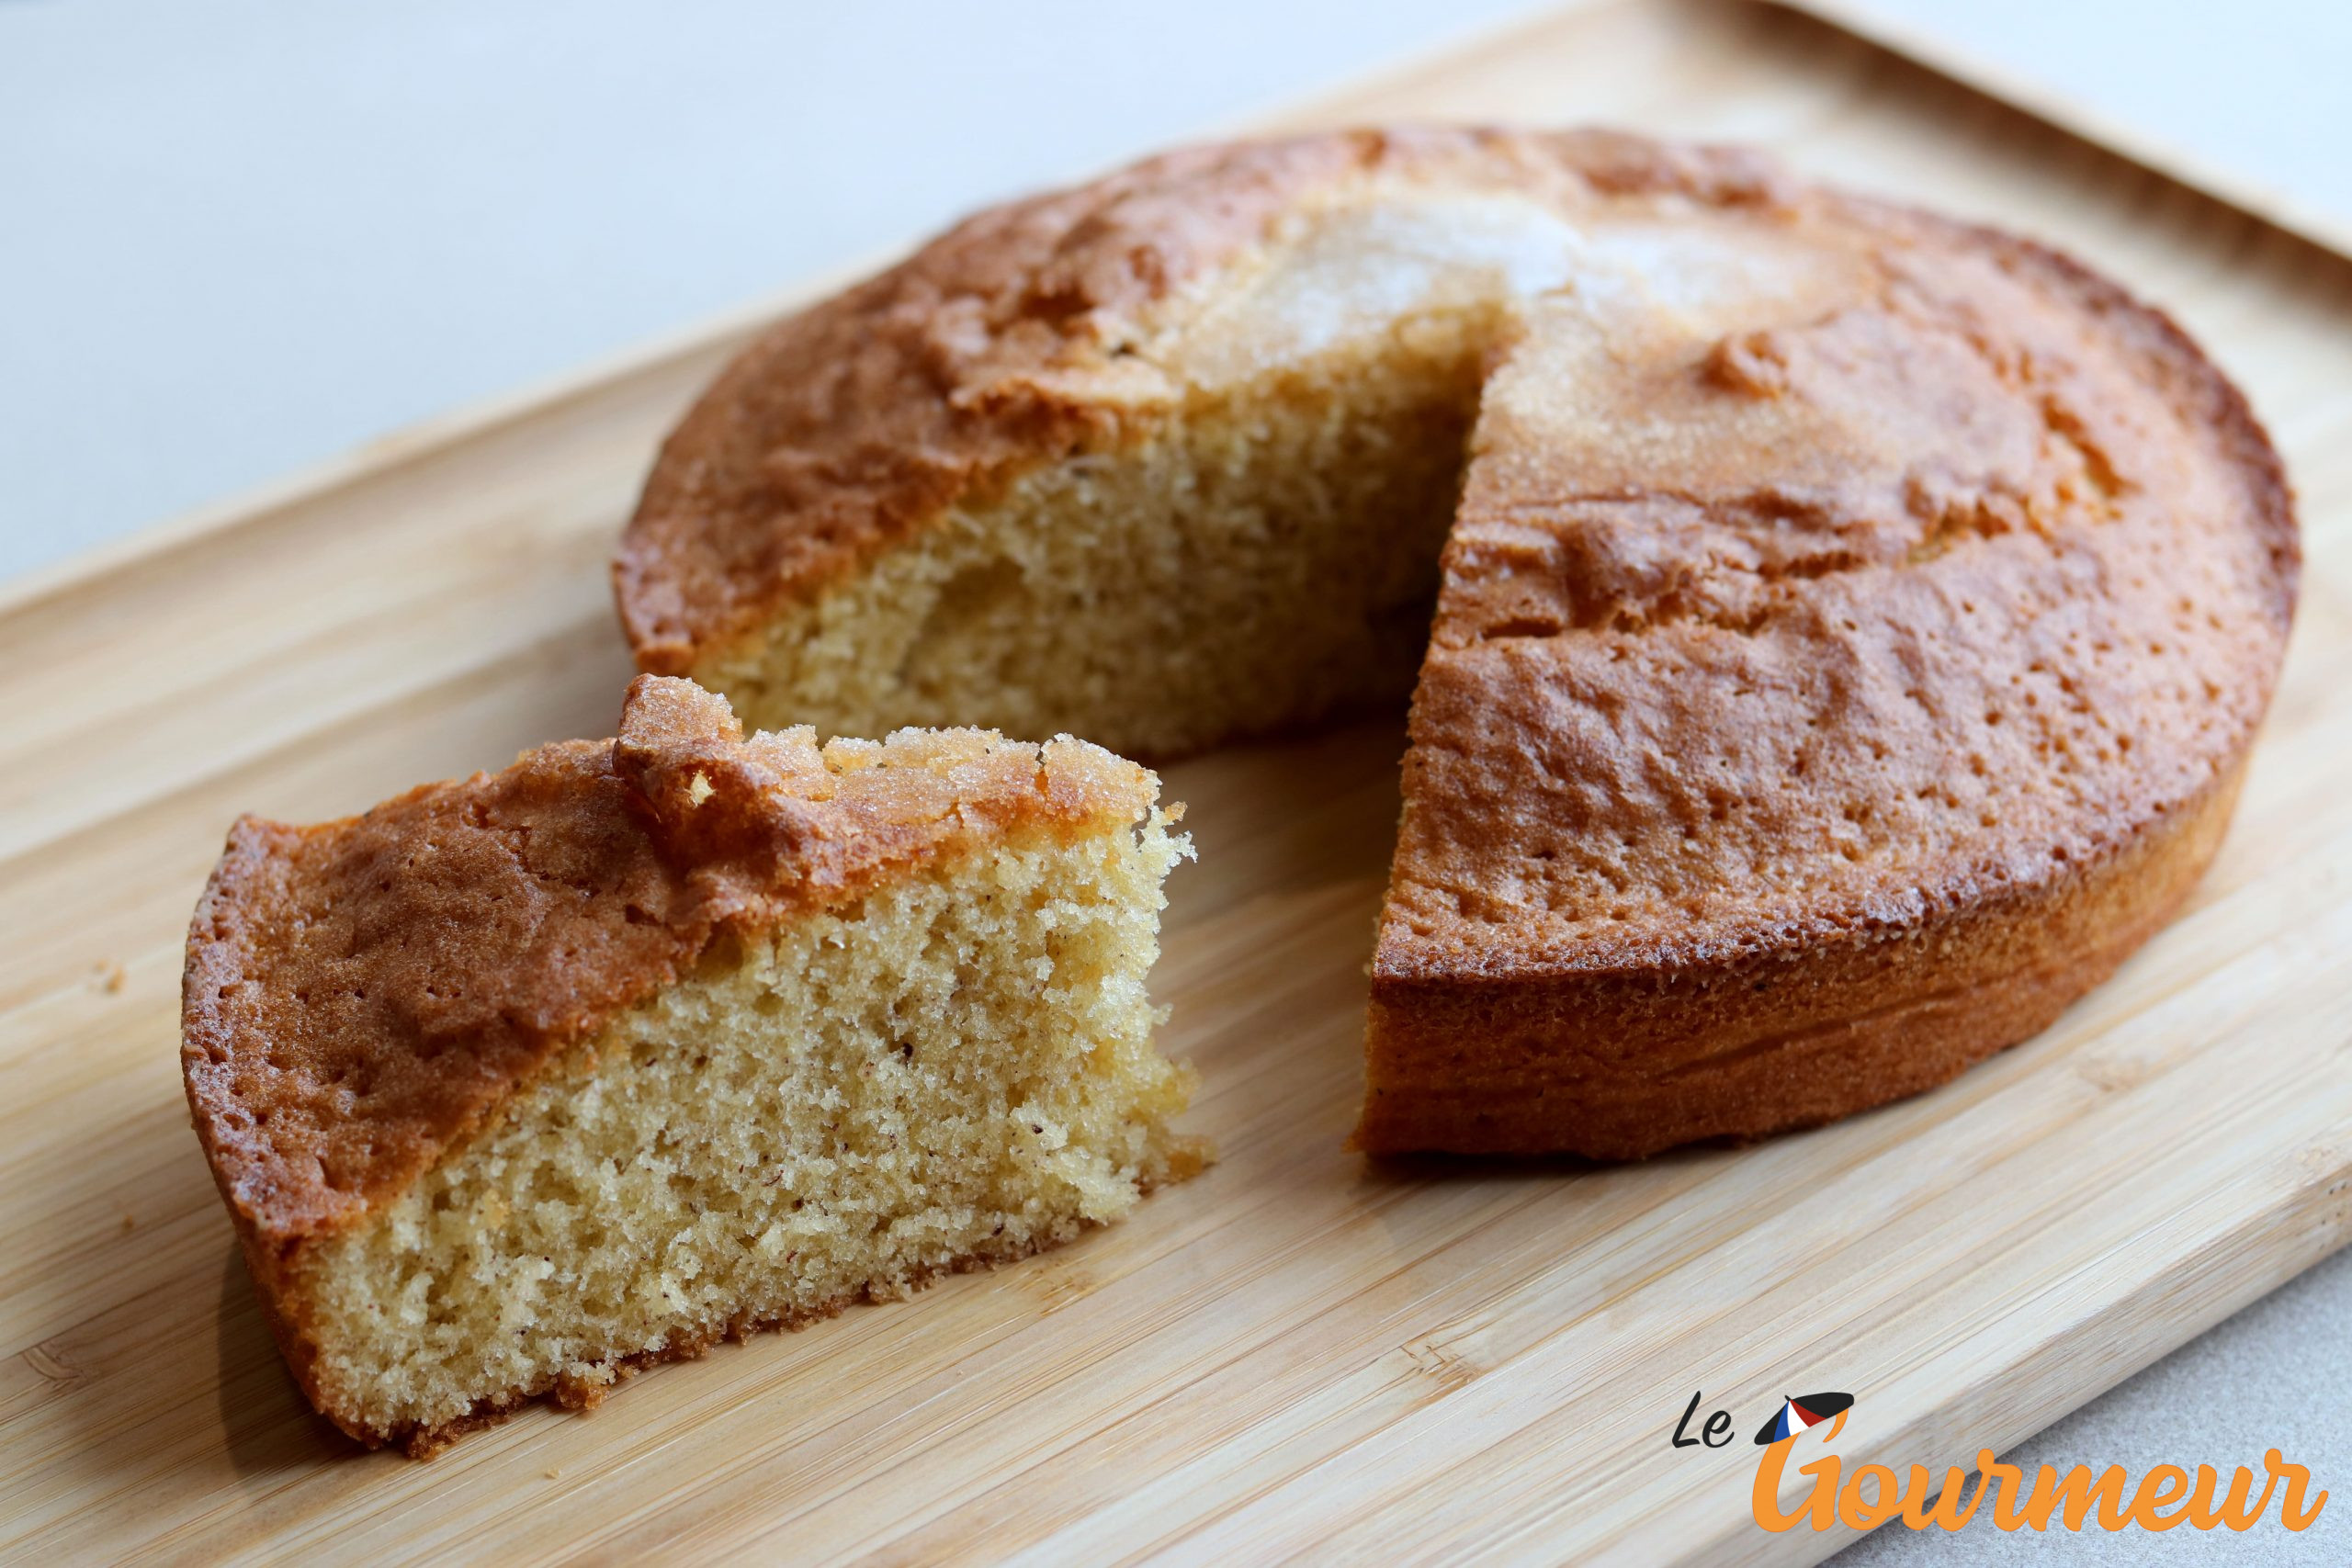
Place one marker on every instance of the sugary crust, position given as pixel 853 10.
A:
pixel 1783 847
pixel 1904 613
pixel 362 996
pixel 1027 332
pixel 1623 1063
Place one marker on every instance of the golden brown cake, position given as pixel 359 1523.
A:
pixel 1849 625
pixel 517 1083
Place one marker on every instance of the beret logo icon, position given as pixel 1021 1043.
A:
pixel 1802 1411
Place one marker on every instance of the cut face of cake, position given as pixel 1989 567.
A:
pixel 515 1083
pixel 1836 632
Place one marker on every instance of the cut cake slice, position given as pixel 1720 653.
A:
pixel 515 1083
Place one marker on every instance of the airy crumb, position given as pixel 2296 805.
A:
pixel 1266 561
pixel 957 1069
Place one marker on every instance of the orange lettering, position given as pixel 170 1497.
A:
pixel 1824 1472
pixel 2290 1506
pixel 1946 1514
pixel 2233 1512
pixel 1765 1500
pixel 2004 1501
pixel 2073 1494
pixel 2165 1485
pixel 1862 1515
pixel 2202 1516
pixel 2165 1497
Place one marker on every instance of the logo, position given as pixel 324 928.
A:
pixel 1796 1415
pixel 1873 1494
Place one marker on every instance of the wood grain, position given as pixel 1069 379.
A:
pixel 1299 1354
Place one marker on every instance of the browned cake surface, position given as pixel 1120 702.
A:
pixel 1850 640
pixel 1865 686
pixel 1016 337
pixel 362 995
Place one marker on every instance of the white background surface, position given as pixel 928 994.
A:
pixel 238 236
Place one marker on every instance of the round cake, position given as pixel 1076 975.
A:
pixel 1835 632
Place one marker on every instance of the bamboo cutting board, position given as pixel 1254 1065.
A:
pixel 1299 1354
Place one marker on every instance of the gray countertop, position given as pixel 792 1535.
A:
pixel 241 235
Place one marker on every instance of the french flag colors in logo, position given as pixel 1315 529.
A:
pixel 1804 1410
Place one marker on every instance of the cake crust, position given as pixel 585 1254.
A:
pixel 362 997
pixel 1026 332
pixel 1851 634
pixel 1625 1062
pixel 1896 757
pixel 361 994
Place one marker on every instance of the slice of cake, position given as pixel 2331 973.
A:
pixel 517 1083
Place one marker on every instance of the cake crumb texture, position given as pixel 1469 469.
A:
pixel 517 1083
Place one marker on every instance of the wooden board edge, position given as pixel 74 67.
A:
pixel 2071 116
